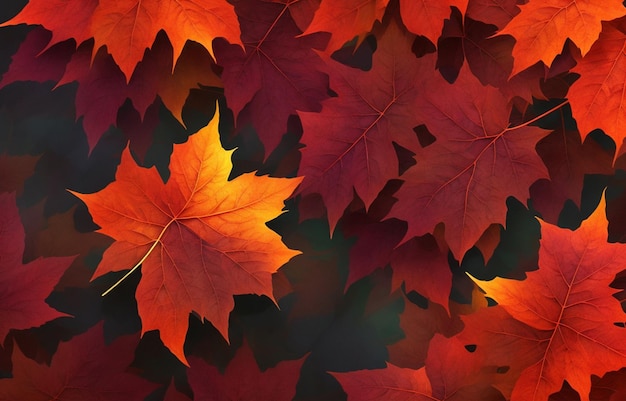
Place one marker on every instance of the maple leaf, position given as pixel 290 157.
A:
pixel 128 27
pixel 568 308
pixel 243 380
pixel 346 19
pixel 24 287
pixel 100 80
pixel 201 238
pixel 542 27
pixel 595 97
pixel 349 144
pixel 476 163
pixel 568 161
pixel 82 369
pixel 426 17
pixel 275 75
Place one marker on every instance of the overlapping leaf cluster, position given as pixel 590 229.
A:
pixel 451 173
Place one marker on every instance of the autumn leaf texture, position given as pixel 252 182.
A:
pixel 312 200
pixel 575 271
pixel 200 238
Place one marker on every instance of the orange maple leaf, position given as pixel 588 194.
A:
pixel 128 27
pixel 597 96
pixel 542 27
pixel 561 317
pixel 201 238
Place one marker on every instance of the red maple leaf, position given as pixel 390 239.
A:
pixel 276 74
pixel 243 380
pixel 560 323
pixel 476 163
pixel 596 97
pixel 24 287
pixel 568 161
pixel 99 78
pixel 349 144
pixel 82 369
pixel 200 237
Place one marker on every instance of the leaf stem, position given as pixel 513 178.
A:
pixel 540 116
pixel 133 269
